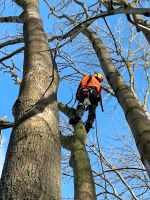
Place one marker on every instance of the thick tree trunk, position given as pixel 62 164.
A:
pixel 32 164
pixel 84 187
pixel 138 119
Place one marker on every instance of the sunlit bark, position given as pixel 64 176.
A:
pixel 32 166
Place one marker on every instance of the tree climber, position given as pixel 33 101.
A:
pixel 88 94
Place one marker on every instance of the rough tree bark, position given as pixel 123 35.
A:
pixel 137 118
pixel 32 165
pixel 84 187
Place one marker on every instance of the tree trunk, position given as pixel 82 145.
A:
pixel 142 25
pixel 84 187
pixel 83 179
pixel 138 119
pixel 32 165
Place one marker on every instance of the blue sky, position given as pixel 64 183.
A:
pixel 9 93
pixel 110 124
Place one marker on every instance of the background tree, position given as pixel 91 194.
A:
pixel 137 117
pixel 128 60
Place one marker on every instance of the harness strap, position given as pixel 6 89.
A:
pixel 87 89
pixel 89 80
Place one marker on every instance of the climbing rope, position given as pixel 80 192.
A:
pixel 52 76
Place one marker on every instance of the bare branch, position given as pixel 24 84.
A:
pixel 65 109
pixel 84 8
pixel 11 42
pixel 11 19
pixel 102 158
pixel 12 72
pixel 12 54
pixel 148 88
pixel 108 90
pixel 80 27
pixel 5 124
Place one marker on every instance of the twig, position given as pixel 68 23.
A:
pixel 12 54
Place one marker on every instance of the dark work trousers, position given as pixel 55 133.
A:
pixel 87 101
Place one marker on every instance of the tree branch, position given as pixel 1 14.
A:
pixel 83 7
pixel 66 109
pixel 12 54
pixel 10 42
pixel 11 19
pixel 5 124
pixel 80 27
pixel 148 88
pixel 101 157
pixel 108 90
pixel 12 72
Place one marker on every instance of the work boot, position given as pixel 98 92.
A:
pixel 73 121
pixel 88 127
pixel 79 112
